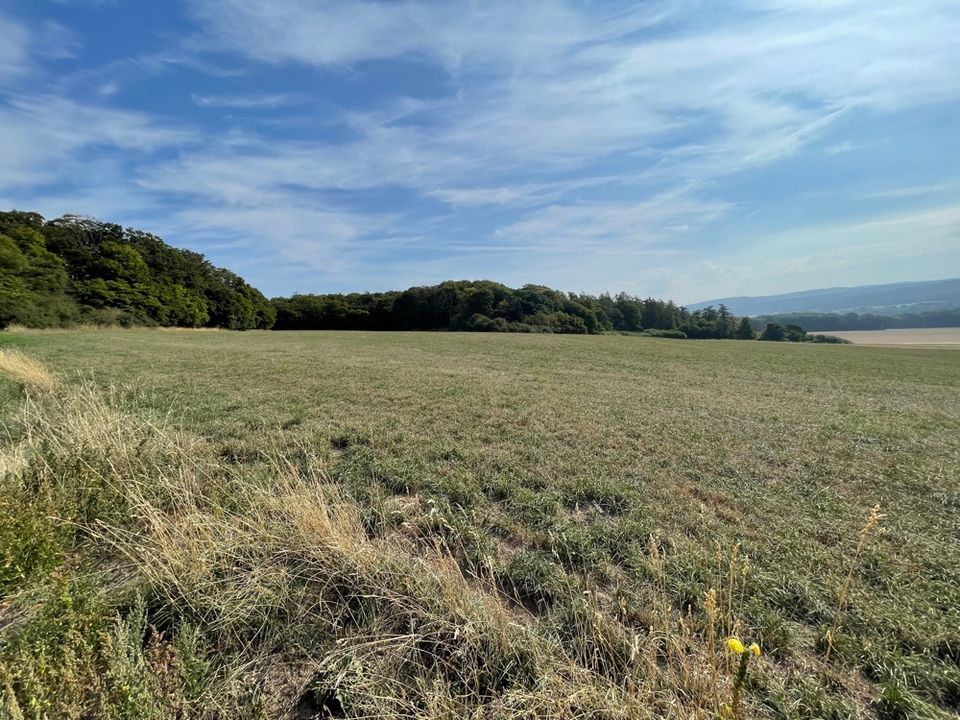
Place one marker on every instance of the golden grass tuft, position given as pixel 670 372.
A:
pixel 30 374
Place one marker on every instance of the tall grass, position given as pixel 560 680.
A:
pixel 31 375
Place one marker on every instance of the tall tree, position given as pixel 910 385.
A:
pixel 745 330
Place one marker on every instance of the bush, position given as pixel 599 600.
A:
pixel 794 333
pixel 31 541
pixel 480 323
pixel 830 339
pixel 673 334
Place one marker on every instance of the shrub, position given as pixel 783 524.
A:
pixel 831 339
pixel 31 541
pixel 673 334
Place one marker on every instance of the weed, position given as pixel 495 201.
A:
pixel 871 524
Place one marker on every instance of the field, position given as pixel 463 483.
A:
pixel 907 336
pixel 217 524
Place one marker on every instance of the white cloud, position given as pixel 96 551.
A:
pixel 244 102
pixel 325 32
pixel 840 148
pixel 519 194
pixel 321 239
pixel 883 238
pixel 14 50
pixel 911 191
pixel 44 138
pixel 544 89
pixel 618 228
pixel 544 86
pixel 23 46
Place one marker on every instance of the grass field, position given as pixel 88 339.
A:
pixel 215 524
pixel 905 336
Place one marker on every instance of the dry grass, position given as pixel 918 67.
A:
pixel 26 372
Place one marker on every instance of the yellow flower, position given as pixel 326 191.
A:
pixel 735 645
pixel 755 649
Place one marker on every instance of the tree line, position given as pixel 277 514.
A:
pixel 482 306
pixel 76 270
pixel 486 306
pixel 830 322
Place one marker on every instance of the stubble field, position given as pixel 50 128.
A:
pixel 907 336
pixel 442 525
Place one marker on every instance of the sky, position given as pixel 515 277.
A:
pixel 685 149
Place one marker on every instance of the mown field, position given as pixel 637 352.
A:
pixel 216 524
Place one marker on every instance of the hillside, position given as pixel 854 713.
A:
pixel 828 322
pixel 891 299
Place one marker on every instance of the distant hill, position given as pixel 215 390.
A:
pixel 893 299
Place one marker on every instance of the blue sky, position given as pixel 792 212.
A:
pixel 683 149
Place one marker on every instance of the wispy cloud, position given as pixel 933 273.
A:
pixel 911 191
pixel 45 138
pixel 839 148
pixel 547 89
pixel 520 194
pixel 14 50
pixel 455 34
pixel 620 228
pixel 322 239
pixel 245 102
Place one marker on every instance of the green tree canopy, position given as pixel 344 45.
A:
pixel 76 268
pixel 745 330
pixel 773 332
